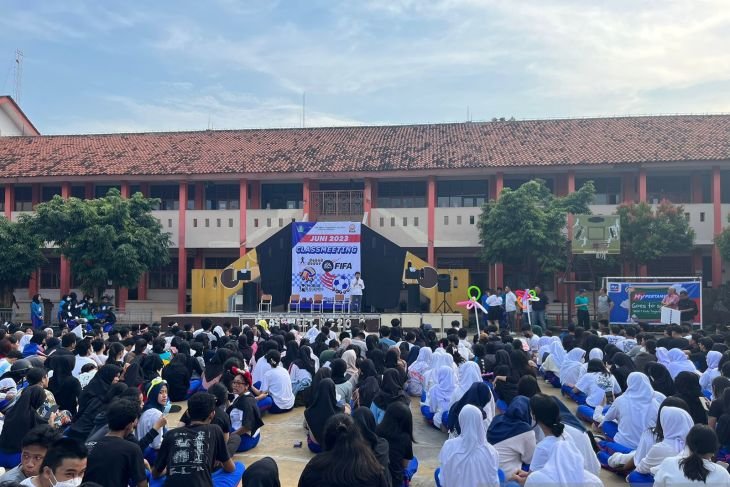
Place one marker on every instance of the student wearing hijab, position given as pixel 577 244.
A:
pixel 365 421
pixel 478 395
pixel 505 381
pixel 469 373
pixel 262 473
pixel 551 365
pixel 244 411
pixel 688 388
pixel 621 367
pixel 368 384
pixel 562 470
pixel 713 363
pixel 393 361
pixel 322 409
pixel 679 362
pixel 717 407
pixel 633 412
pixel 65 387
pixel 350 358
pixel 512 436
pixel 177 376
pixel 416 385
pixel 597 386
pixel 343 384
pixel 468 460
pixel 156 405
pixel 301 371
pixel 694 466
pixel 439 396
pixel 660 379
pixel 571 371
pixel 19 420
pixel 397 429
pixel 391 391
pixel 92 400
pixel 213 372
pixel 292 353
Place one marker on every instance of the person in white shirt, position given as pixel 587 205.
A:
pixel 278 384
pixel 694 467
pixel 83 357
pixel 563 468
pixel 494 308
pixel 357 285
pixel 510 307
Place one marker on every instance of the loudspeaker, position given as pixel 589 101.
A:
pixel 250 296
pixel 414 298
pixel 444 283
pixel 244 275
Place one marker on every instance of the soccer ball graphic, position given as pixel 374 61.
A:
pixel 341 284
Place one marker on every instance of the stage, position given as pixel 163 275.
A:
pixel 372 321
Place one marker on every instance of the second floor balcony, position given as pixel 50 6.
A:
pixel 337 205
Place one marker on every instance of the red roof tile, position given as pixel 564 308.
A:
pixel 628 140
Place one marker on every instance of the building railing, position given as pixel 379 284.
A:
pixel 337 203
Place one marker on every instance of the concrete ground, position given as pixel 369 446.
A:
pixel 282 431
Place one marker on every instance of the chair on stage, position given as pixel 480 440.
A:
pixel 317 303
pixel 265 303
pixel 341 303
pixel 295 302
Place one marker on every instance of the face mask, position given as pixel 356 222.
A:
pixel 74 482
pixel 167 408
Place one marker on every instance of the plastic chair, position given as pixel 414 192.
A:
pixel 265 303
pixel 294 303
pixel 317 302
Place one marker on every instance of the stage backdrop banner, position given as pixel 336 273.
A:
pixel 642 301
pixel 324 257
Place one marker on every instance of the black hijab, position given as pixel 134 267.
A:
pixel 215 367
pixel 412 355
pixel 292 354
pixel 378 358
pixel 322 373
pixel 304 361
pixel 100 384
pixel 365 420
pixel 262 473
pixel 368 384
pixel 689 389
pixel 21 418
pixel 339 367
pixel 324 406
pixel 245 349
pixel 621 368
pixel 391 358
pixel 660 379
pixel 63 366
pixel 391 390
pixel 477 395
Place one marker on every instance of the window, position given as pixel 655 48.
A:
pixel 78 192
pixel 221 196
pixel 191 197
pixel 100 190
pixel 164 277
pixel 673 188
pixel 471 219
pixel 218 262
pixel 382 221
pixel 51 274
pixel 415 221
pixel 514 183
pixel 457 194
pixel 169 195
pixel 48 192
pixel 608 190
pixel 282 196
pixel 2 199
pixel 401 194
pixel 23 198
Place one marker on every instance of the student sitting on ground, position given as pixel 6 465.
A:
pixel 245 415
pixel 33 449
pixel 64 464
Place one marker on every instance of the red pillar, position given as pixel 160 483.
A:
pixel 142 285
pixel 242 205
pixel 182 262
pixel 697 196
pixel 199 196
pixel 717 226
pixel 305 201
pixel 643 270
pixel 33 281
pixel 9 201
pixel 628 184
pixel 498 267
pixel 255 195
pixel 65 273
pixel 367 198
pixel 431 217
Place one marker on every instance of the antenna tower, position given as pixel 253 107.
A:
pixel 18 75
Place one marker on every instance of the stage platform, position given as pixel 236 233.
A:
pixel 372 321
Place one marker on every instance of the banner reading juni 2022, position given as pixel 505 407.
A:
pixel 636 302
pixel 325 257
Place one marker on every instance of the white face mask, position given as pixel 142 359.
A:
pixel 74 482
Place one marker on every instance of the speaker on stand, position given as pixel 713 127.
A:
pixel 444 286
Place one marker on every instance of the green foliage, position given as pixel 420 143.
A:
pixel 105 239
pixel 648 234
pixel 723 242
pixel 524 228
pixel 21 253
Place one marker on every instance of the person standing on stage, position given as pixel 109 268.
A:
pixel 357 285
pixel 671 300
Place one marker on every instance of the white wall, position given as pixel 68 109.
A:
pixel 8 126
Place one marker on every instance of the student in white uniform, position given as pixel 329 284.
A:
pixel 694 467
pixel 596 385
pixel 278 384
pixel 547 414
pixel 468 460
pixel 439 396
pixel 563 469
pixel 469 373
pixel 512 436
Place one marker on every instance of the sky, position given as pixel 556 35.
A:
pixel 134 66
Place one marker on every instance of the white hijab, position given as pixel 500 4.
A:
pixel 439 396
pixel 643 399
pixel 469 373
pixel 468 460
pixel 438 360
pixel 662 356
pixel 713 362
pixel 572 367
pixel 564 468
pixel 557 352
pixel 423 362
pixel 595 353
pixel 676 423
pixel 678 362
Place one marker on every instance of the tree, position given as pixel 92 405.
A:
pixel 723 242
pixel 21 253
pixel 648 234
pixel 106 240
pixel 524 228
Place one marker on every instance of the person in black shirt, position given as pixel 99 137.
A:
pixel 397 428
pixel 188 454
pixel 127 464
pixel 347 460
pixel 221 418
pixel 177 375
pixel 687 307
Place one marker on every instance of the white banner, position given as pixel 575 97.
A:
pixel 325 257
